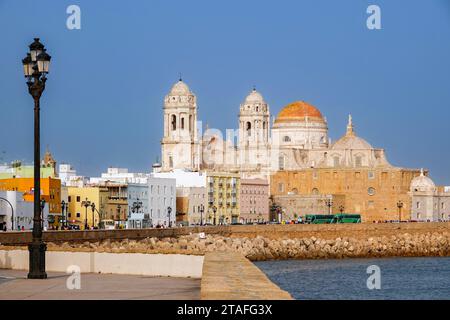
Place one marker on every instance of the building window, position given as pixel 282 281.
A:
pixel 371 175
pixel 286 139
pixel 281 187
pixel 371 204
pixel 182 123
pixel 78 215
pixel 358 161
pixel 174 122
pixel 418 205
pixel 371 191
pixel 281 163
pixel 78 198
pixel 249 129
pixel 69 198
pixel 315 191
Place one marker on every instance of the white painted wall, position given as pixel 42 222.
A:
pixel 157 265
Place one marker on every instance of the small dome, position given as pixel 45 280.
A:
pixel 351 142
pixel 254 97
pixel 299 111
pixel 422 183
pixel 180 89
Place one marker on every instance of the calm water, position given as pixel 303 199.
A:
pixel 401 278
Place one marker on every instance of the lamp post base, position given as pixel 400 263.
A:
pixel 37 260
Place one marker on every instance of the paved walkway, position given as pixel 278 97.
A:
pixel 15 286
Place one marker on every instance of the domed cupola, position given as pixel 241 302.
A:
pixel 180 89
pixel 351 141
pixel 422 183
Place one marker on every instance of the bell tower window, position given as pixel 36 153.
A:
pixel 249 129
pixel 174 122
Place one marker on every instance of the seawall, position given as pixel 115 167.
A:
pixel 265 242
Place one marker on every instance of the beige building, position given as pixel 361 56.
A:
pixel 192 205
pixel 223 198
pixel 254 200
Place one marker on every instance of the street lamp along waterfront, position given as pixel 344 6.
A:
pixel 169 211
pixel 36 66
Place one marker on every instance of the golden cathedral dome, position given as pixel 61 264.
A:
pixel 299 111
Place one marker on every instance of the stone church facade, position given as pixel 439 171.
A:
pixel 306 170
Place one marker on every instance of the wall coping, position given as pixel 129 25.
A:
pixel 230 276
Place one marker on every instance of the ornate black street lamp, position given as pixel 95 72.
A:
pixel 399 206
pixel 86 204
pixel 36 66
pixel 341 209
pixel 169 211
pixel 93 214
pixel 137 205
pixel 64 207
pixel 329 203
pixel 214 210
pixel 202 209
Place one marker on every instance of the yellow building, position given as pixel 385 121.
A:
pixel 223 197
pixel 76 211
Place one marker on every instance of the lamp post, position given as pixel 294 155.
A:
pixel 35 66
pixel 169 211
pixel 42 212
pixel 64 206
pixel 119 207
pixel 329 203
pixel 214 210
pixel 12 212
pixel 86 204
pixel 341 209
pixel 93 214
pixel 202 209
pixel 399 206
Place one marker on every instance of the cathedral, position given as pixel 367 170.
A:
pixel 307 172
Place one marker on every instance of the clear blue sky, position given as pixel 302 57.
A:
pixel 103 103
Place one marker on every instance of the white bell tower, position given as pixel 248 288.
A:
pixel 179 146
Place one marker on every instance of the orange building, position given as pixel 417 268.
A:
pixel 50 191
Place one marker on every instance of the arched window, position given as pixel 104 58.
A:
pixel 249 129
pixel 190 123
pixel 182 123
pixel 174 122
pixel 264 125
pixel 281 162
pixel 170 161
pixel 315 191
pixel 358 161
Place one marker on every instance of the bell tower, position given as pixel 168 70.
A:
pixel 179 146
pixel 254 128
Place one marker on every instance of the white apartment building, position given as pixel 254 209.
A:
pixel 162 201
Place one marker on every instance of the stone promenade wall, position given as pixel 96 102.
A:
pixel 268 242
pixel 326 232
pixel 230 276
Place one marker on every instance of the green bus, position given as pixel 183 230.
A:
pixel 318 218
pixel 329 219
pixel 347 218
